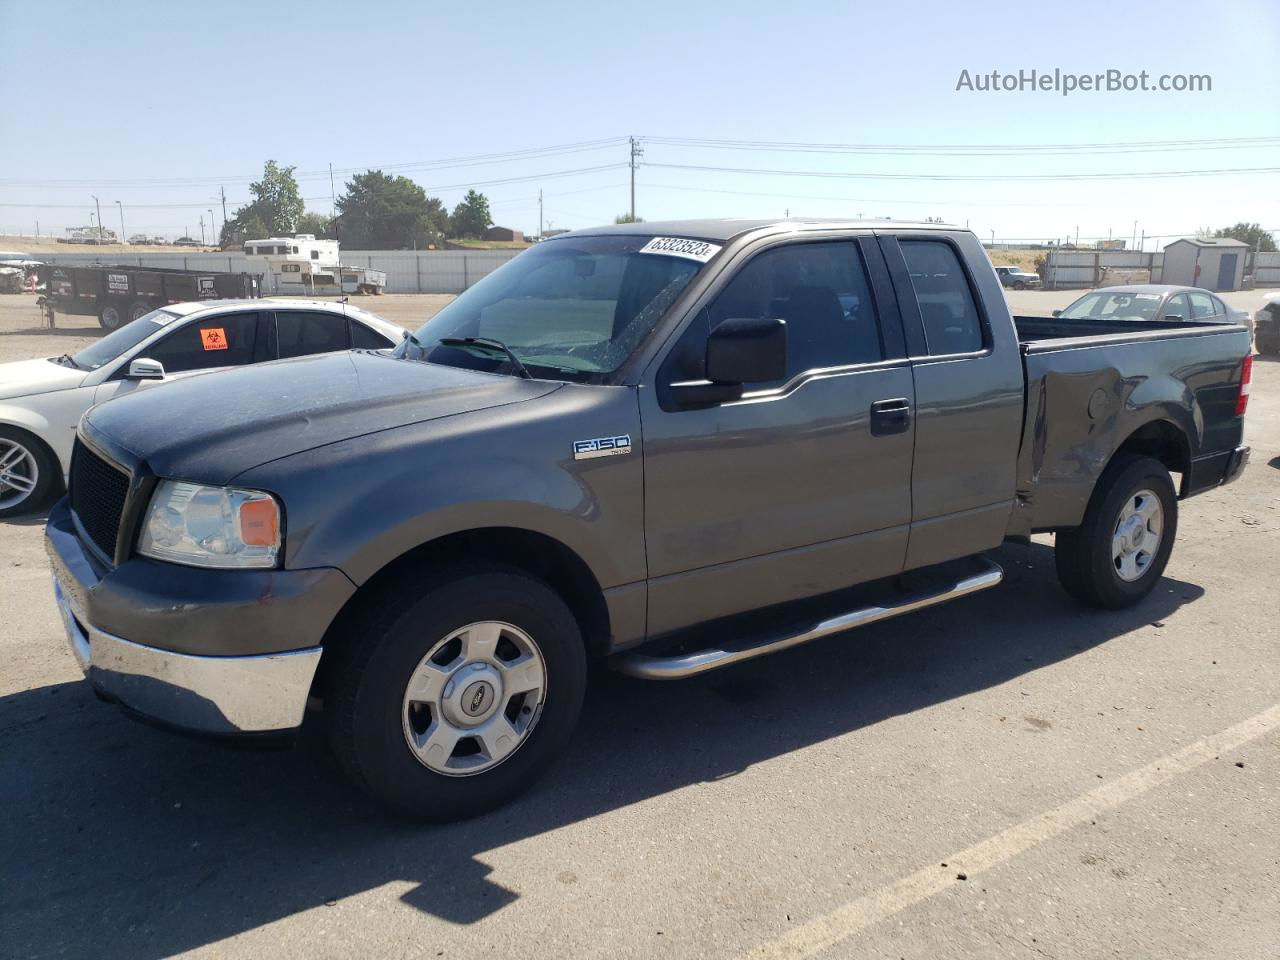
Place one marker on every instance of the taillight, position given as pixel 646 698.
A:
pixel 1246 378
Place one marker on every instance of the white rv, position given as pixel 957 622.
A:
pixel 303 265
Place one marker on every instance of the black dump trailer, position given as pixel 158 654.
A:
pixel 117 295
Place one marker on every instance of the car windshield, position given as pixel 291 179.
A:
pixel 127 337
pixel 568 309
pixel 1114 306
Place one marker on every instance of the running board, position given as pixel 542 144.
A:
pixel 683 665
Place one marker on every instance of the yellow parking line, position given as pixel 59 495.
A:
pixel 851 918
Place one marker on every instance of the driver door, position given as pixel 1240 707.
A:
pixel 214 343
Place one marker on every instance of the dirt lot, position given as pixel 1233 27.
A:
pixel 1008 776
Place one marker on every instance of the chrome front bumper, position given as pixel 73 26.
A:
pixel 254 694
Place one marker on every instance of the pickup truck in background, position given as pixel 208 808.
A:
pixel 1016 278
pixel 676 446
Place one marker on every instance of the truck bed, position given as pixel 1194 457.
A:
pixel 1093 384
pixel 1039 334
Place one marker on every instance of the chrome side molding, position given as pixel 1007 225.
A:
pixel 684 665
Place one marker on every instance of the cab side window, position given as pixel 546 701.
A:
pixel 223 341
pixel 947 308
pixel 821 290
pixel 301 333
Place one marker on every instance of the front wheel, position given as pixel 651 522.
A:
pixel 1119 552
pixel 459 696
pixel 28 472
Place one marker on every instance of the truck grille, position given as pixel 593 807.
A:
pixel 98 490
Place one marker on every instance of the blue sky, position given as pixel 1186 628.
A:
pixel 116 97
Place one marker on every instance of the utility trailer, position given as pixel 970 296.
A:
pixel 117 295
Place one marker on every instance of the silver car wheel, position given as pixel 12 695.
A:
pixel 1136 539
pixel 473 700
pixel 19 473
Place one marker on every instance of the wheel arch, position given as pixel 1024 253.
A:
pixel 1161 440
pixel 536 554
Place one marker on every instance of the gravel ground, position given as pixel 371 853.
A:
pixel 1007 776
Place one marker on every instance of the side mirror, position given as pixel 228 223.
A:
pixel 145 368
pixel 1057 313
pixel 740 351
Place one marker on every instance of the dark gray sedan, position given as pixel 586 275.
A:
pixel 1153 301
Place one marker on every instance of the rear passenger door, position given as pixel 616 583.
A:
pixel 804 485
pixel 300 333
pixel 969 390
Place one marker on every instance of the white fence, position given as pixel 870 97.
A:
pixel 408 271
pixel 1065 269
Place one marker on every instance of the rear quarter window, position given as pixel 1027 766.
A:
pixel 948 311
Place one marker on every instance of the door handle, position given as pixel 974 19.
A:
pixel 890 416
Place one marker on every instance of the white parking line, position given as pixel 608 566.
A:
pixel 845 921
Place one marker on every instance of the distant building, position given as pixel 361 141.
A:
pixel 503 233
pixel 1110 244
pixel 1214 263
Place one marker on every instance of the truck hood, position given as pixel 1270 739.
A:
pixel 211 428
pixel 26 377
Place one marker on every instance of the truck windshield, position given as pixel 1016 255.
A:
pixel 569 309
pixel 127 337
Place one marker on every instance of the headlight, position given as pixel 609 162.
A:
pixel 201 526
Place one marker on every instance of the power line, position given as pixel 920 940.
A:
pixel 960 149
pixel 445 163
pixel 847 175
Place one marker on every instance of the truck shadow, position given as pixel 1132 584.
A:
pixel 123 841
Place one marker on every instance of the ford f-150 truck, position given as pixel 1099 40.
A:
pixel 676 446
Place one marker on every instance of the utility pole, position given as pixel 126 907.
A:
pixel 121 206
pixel 540 214
pixel 97 206
pixel 636 152
pixel 1135 234
pixel 223 192
pixel 213 233
pixel 1077 236
pixel 202 229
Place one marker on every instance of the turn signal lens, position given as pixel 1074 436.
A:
pixel 259 523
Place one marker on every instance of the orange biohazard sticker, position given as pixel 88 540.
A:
pixel 214 338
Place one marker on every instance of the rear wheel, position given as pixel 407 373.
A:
pixel 28 471
pixel 460 695
pixel 1116 556
pixel 111 316
pixel 1268 346
pixel 138 309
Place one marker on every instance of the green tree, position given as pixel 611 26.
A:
pixel 275 209
pixel 380 212
pixel 1250 233
pixel 627 218
pixel 317 224
pixel 471 217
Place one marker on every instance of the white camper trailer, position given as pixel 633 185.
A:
pixel 305 266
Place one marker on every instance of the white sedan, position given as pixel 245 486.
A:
pixel 41 401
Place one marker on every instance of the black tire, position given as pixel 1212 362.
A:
pixel 1020 285
pixel 364 699
pixel 112 316
pixel 1083 555
pixel 48 475
pixel 138 309
pixel 1268 346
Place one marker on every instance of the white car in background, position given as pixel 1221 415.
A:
pixel 41 401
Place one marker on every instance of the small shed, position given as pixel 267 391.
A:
pixel 1214 263
pixel 503 233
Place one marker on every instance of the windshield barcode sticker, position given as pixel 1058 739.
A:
pixel 698 250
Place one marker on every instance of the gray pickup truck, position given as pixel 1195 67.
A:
pixel 675 446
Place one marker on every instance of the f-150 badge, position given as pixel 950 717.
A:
pixel 601 447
